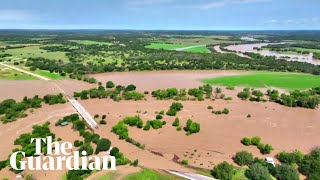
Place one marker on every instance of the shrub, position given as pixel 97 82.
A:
pixel 103 122
pixel 159 116
pixel 147 126
pixel 225 111
pixel 176 122
pixel 245 94
pixel 172 112
pixel 286 172
pixel 192 127
pixel 255 140
pixel 310 163
pixel 104 116
pixel 223 171
pixel 230 87
pixel 246 141
pixel 258 172
pixel 133 121
pixel 110 84
pixel 185 162
pixel 243 158
pixel 78 143
pixel 130 87
pixel 179 128
pixel 209 107
pixel 96 116
pixel 103 145
pixel 265 149
pixel 294 157
pixel 135 163
pixel 114 151
pixel 121 129
pixel 132 95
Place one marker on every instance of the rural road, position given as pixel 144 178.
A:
pixel 189 47
pixel 190 176
pixel 80 109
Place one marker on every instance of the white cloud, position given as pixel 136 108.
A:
pixel 14 15
pixel 295 21
pixel 222 3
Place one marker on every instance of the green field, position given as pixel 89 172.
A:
pixel 88 42
pixel 168 46
pixel 149 175
pixel 288 81
pixel 35 51
pixel 49 75
pixel 198 50
pixel 9 74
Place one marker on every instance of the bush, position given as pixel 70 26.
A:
pixel 310 163
pixel 121 129
pixel 133 121
pixel 243 158
pixel 147 126
pixel 176 122
pixel 114 151
pixel 265 149
pixel 103 145
pixel 286 172
pixel 172 112
pixel 96 116
pixel 135 163
pixel 246 141
pixel 314 176
pixel 255 140
pixel 110 84
pixel 294 157
pixel 159 116
pixel 258 172
pixel 225 111
pixel 223 171
pixel 78 143
pixel 130 87
pixel 103 122
pixel 192 127
pixel 104 116
pixel 209 107
pixel 185 162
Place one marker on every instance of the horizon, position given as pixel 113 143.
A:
pixel 230 15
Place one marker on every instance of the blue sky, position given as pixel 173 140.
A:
pixel 160 14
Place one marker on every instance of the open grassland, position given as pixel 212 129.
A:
pixel 88 42
pixel 149 174
pixel 168 46
pixel 50 75
pixel 269 79
pixel 35 51
pixel 9 74
pixel 198 50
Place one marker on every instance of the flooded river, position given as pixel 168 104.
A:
pixel 242 48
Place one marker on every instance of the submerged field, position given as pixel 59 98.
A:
pixel 288 81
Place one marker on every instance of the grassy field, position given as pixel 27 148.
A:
pixel 198 50
pixel 288 81
pixel 35 51
pixel 49 75
pixel 168 46
pixel 88 42
pixel 9 74
pixel 149 175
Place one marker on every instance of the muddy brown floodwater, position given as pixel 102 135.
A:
pixel 283 127
pixel 163 79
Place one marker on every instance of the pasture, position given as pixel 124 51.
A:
pixel 281 80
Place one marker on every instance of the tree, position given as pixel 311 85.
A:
pixel 121 129
pixel 286 172
pixel 243 158
pixel 130 87
pixel 310 163
pixel 258 172
pixel 110 84
pixel 246 141
pixel 223 171
pixel 103 145
pixel 176 122
pixel 114 151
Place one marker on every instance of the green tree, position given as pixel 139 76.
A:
pixel 258 172
pixel 243 158
pixel 223 171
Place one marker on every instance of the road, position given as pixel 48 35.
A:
pixel 189 47
pixel 190 176
pixel 80 109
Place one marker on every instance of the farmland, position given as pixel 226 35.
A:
pixel 288 81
